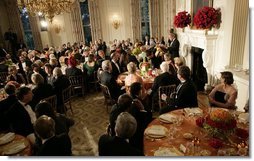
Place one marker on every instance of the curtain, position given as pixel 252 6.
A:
pixel 95 20
pixel 135 20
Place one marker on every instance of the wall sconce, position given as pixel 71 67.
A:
pixel 57 28
pixel 44 24
pixel 115 22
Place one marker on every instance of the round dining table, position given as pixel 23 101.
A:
pixel 184 138
pixel 18 146
pixel 147 80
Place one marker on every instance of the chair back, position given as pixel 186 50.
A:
pixel 167 90
pixel 3 77
pixel 52 100
pixel 108 99
pixel 77 82
pixel 66 96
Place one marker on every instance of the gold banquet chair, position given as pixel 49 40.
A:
pixel 108 100
pixel 167 90
pixel 52 100
pixel 77 82
pixel 66 96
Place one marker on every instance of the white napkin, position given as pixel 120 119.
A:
pixel 163 151
pixel 193 111
pixel 15 148
pixel 7 138
pixel 243 117
pixel 168 118
pixel 156 131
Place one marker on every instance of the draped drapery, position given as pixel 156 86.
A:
pixel 76 22
pixel 135 19
pixel 155 28
pixel 169 13
pixel 95 20
pixel 35 32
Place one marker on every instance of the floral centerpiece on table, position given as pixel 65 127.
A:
pixel 219 123
pixel 182 19
pixel 207 17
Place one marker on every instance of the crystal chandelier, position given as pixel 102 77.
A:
pixel 48 8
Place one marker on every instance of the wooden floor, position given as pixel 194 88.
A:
pixel 203 100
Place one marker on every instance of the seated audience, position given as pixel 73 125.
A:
pixel 52 144
pixel 116 70
pixel 118 145
pixel 60 83
pixel 108 80
pixel 178 62
pixel 41 90
pixel 21 116
pixel 15 76
pixel 224 94
pixel 186 92
pixel 170 61
pixel 72 70
pixel 6 104
pixel 49 70
pixel 123 104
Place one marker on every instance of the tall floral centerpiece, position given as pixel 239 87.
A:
pixel 207 17
pixel 182 19
pixel 219 123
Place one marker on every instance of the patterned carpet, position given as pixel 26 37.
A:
pixel 91 119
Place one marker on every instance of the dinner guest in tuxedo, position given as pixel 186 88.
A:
pixel 52 144
pixel 186 92
pixel 224 94
pixel 20 115
pixel 174 45
pixel 116 70
pixel 119 145
pixel 108 80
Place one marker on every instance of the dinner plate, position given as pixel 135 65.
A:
pixel 14 148
pixel 156 131
pixel 165 151
pixel 7 138
pixel 168 118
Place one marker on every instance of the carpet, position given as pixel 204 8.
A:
pixel 91 119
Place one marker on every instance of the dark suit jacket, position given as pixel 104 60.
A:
pixel 19 78
pixel 174 48
pixel 187 95
pixel 59 145
pixel 163 79
pixel 5 105
pixel 59 85
pixel 40 92
pixel 108 80
pixel 115 146
pixel 19 120
pixel 73 71
pixel 115 72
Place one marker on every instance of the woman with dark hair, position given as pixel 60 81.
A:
pixel 224 94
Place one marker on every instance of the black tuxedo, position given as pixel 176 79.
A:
pixel 115 72
pixel 19 119
pixel 186 96
pixel 19 78
pixel 59 145
pixel 174 48
pixel 115 146
pixel 40 92
pixel 108 80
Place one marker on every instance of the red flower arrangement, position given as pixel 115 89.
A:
pixel 218 123
pixel 207 17
pixel 242 133
pixel 215 143
pixel 182 19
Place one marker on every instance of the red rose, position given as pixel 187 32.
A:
pixel 242 133
pixel 200 121
pixel 215 143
